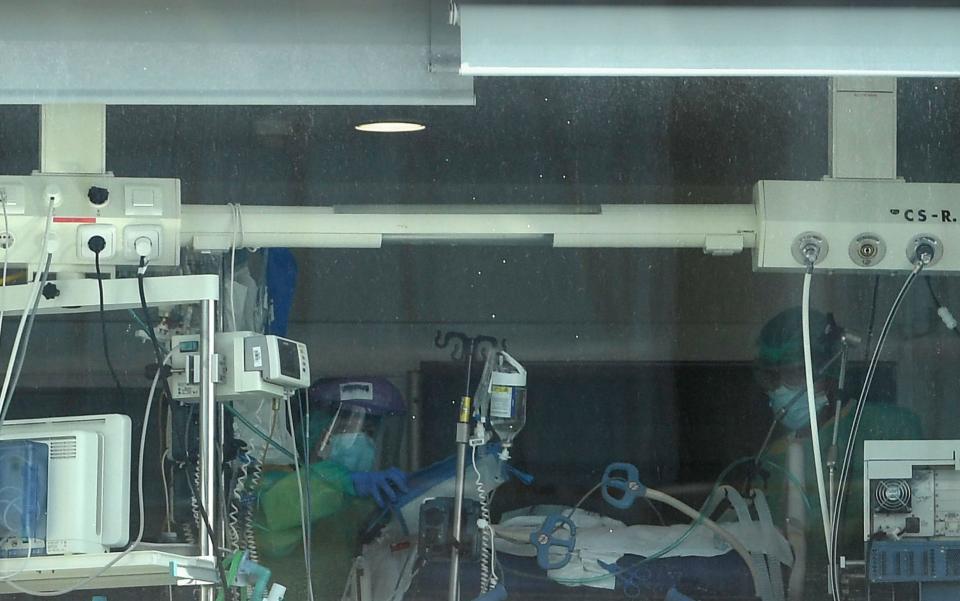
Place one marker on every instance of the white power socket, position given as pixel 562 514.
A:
pixel 107 232
pixel 132 233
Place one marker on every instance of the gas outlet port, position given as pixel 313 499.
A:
pixel 809 248
pixel 867 250
pixel 926 248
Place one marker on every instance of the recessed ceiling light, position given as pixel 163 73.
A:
pixel 391 127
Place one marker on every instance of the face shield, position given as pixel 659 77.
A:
pixel 364 423
pixel 350 439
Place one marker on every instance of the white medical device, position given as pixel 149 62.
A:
pixel 251 366
pixel 88 487
pixel 911 516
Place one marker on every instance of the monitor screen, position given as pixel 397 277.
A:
pixel 289 358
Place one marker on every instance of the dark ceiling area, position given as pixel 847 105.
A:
pixel 528 140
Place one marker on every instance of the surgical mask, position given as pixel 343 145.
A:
pixel 354 451
pixel 798 415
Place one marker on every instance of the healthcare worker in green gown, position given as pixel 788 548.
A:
pixel 780 372
pixel 349 426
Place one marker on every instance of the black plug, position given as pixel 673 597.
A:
pixel 96 244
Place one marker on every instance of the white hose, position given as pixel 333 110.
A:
pixel 304 521
pixel 34 293
pixel 814 426
pixel 736 545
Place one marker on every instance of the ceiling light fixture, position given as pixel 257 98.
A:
pixel 391 127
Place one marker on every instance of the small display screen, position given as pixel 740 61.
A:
pixel 289 358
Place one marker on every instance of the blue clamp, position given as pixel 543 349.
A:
pixel 515 473
pixel 631 487
pixel 545 538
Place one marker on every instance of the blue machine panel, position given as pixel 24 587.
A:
pixel 23 497
pixel 914 561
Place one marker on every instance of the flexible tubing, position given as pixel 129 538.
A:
pixel 855 427
pixel 737 546
pixel 488 578
pixel 26 312
pixel 303 511
pixel 814 426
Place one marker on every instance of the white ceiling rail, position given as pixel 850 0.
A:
pixel 228 52
pixel 716 228
pixel 513 39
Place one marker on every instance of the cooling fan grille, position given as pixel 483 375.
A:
pixel 893 496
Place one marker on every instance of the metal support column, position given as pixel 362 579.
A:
pixel 208 434
pixel 73 138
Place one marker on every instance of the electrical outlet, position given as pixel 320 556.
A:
pixel 132 233
pixel 107 232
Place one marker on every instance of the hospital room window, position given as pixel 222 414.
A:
pixel 409 300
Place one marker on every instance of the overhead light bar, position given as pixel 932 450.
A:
pixel 390 127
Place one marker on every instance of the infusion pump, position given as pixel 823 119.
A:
pixel 250 366
pixel 911 516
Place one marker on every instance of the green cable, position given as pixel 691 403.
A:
pixel 686 534
pixel 259 432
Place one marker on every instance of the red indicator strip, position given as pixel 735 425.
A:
pixel 74 219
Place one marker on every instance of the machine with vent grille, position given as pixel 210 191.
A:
pixel 912 519
pixel 88 481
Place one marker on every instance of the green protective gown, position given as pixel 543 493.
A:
pixel 337 516
pixel 879 422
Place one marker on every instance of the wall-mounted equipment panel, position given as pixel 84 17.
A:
pixel 133 216
pixel 860 225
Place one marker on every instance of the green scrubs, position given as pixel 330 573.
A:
pixel 337 517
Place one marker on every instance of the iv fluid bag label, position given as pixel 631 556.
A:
pixel 501 401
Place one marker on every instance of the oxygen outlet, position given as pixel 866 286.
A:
pixel 809 248
pixel 867 250
pixel 925 249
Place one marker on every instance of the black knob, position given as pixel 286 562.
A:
pixel 97 195
pixel 50 291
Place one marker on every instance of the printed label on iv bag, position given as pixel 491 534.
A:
pixel 501 401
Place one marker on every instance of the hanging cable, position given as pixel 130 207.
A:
pixel 812 407
pixel 44 259
pixel 833 572
pixel 97 244
pixel 27 335
pixel 303 513
pixel 488 558
pixel 148 322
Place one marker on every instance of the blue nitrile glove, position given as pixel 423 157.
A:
pixel 381 486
